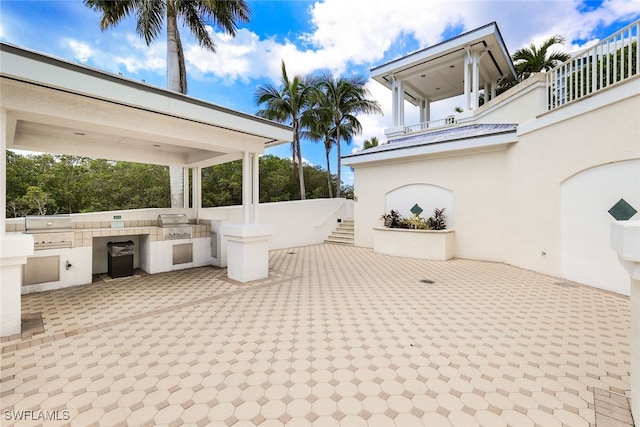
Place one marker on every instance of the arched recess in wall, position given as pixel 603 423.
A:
pixel 586 197
pixel 427 196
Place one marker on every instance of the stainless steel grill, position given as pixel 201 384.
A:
pixel 175 226
pixel 50 231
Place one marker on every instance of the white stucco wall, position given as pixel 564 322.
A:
pixel 509 205
pixel 296 223
pixel 553 148
pixel 477 187
pixel 520 103
pixel 427 196
pixel 586 256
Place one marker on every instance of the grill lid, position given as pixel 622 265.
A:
pixel 173 220
pixel 47 223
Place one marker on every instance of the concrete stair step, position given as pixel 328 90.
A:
pixel 343 234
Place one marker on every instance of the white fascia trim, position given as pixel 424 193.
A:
pixel 47 71
pixel 438 49
pixel 459 147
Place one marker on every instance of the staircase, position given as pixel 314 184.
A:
pixel 343 235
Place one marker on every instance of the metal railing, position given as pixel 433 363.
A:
pixel 433 124
pixel 613 60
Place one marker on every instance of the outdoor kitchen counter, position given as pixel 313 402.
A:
pixel 85 236
pixel 86 255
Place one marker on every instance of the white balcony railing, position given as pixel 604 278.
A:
pixel 613 60
pixel 433 124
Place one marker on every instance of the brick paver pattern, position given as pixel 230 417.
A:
pixel 336 336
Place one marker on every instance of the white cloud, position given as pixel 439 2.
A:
pixel 361 32
pixel 138 56
pixel 305 161
pixel 81 51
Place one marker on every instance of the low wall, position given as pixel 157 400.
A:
pixel 422 244
pixel 296 223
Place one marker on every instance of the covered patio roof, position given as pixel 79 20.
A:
pixel 437 72
pixel 60 107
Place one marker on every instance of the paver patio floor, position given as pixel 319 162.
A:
pixel 336 336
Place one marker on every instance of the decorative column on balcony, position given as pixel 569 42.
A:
pixel 425 110
pixel 625 240
pixel 397 107
pixel 247 248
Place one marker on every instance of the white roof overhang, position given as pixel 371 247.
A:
pixel 462 140
pixel 59 107
pixel 437 72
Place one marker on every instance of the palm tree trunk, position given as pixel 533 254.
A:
pixel 303 191
pixel 327 147
pixel 339 162
pixel 175 64
pixel 297 158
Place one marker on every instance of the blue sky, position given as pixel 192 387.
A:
pixel 341 36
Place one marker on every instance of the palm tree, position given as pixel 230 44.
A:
pixel 369 143
pixel 318 128
pixel 534 59
pixel 195 14
pixel 347 97
pixel 289 104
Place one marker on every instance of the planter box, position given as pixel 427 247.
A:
pixel 422 244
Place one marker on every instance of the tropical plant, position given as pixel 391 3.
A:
pixel 318 128
pixel 438 220
pixel 534 59
pixel 393 219
pixel 370 143
pixel 346 98
pixel 289 104
pixel 196 15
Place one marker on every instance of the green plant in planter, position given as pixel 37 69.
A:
pixel 393 220
pixel 438 220
pixel 417 222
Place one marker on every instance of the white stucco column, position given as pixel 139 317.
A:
pixel 255 187
pixel 425 110
pixel 247 183
pixel 196 190
pixel 467 80
pixel 247 243
pixel 14 250
pixel 400 88
pixel 397 95
pixel 185 187
pixel 625 240
pixel 475 80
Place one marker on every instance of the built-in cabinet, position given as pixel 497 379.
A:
pixel 58 268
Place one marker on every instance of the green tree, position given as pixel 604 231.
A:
pixel 370 143
pixel 37 199
pixel 346 97
pixel 319 128
pixel 150 18
pixel 534 59
pixel 289 104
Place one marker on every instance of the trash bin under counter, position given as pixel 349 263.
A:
pixel 120 259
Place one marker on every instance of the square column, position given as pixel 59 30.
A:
pixel 247 243
pixel 247 251
pixel 14 250
pixel 625 240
